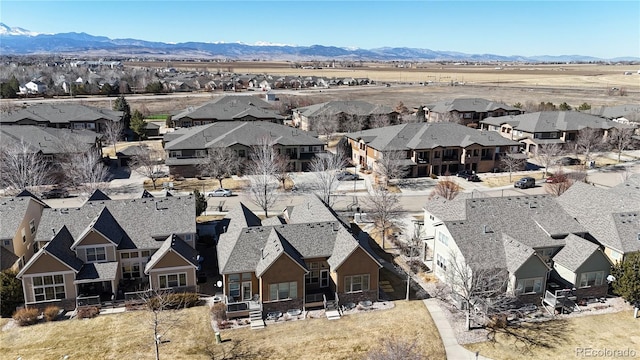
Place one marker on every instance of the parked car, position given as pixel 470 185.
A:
pixel 474 178
pixel 556 179
pixel 568 161
pixel 220 192
pixel 525 183
pixel 465 174
pixel 55 194
pixel 347 176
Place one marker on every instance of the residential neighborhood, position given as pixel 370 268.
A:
pixel 340 211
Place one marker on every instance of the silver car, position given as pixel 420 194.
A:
pixel 220 193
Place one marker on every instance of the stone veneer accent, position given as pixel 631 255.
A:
pixel 282 306
pixel 371 295
pixel 597 291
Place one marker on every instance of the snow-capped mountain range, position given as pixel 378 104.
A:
pixel 19 41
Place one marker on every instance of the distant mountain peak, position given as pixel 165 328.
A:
pixel 16 31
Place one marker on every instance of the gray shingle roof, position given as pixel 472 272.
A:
pixel 469 105
pixel 12 212
pixel 7 258
pixel 230 108
pixel 516 253
pixel 225 134
pixel 98 271
pixel 575 252
pixel 106 225
pixel 550 121
pixel 173 243
pixel 351 107
pixel 428 136
pixel 60 248
pixel 240 249
pixel 44 139
pixel 143 220
pixel 490 229
pixel 98 195
pixel 617 111
pixel 61 114
pixel 608 214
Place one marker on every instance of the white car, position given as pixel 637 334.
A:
pixel 220 192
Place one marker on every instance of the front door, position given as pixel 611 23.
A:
pixel 246 290
pixel 324 278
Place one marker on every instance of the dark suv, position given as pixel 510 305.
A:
pixel 525 183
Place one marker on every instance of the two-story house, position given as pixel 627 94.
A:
pixel 531 237
pixel 305 258
pixel 546 127
pixel 342 112
pixel 431 148
pixel 227 108
pixel 70 116
pixel 19 220
pixel 467 111
pixel 187 148
pixel 106 248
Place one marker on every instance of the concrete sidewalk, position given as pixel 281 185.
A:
pixel 453 350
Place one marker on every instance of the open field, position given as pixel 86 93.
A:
pixel 570 83
pixel 129 335
pixel 616 331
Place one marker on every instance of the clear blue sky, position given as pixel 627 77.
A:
pixel 605 29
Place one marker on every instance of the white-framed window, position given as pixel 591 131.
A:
pixel 175 153
pixel 593 278
pixel 529 286
pixel 441 262
pixel 201 153
pixel 6 243
pixel 78 125
pixel 188 237
pixel 356 283
pixel 91 126
pixel 49 287
pixel 546 253
pixel 124 255
pixel 32 226
pixel 145 254
pixel 283 291
pixel 130 271
pixel 313 276
pixel 95 254
pixel 235 283
pixel 444 239
pixel 172 280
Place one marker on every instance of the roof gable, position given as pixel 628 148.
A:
pixel 173 244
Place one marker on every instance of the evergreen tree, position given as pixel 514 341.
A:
pixel 121 104
pixel 201 202
pixel 138 125
pixel 564 107
pixel 584 106
pixel 627 279
pixel 10 293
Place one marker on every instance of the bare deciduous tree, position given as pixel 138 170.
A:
pixel 472 281
pixel 147 161
pixel 264 167
pixel 391 165
pixel 621 139
pixel 560 183
pixel 83 169
pixel 547 154
pixel 587 141
pixel 220 163
pixel 379 120
pixel 325 124
pixel 446 189
pixel 163 307
pixel 326 167
pixel 113 133
pixel 511 161
pixel 385 209
pixel 21 167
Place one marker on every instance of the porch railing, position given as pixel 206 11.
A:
pixel 88 301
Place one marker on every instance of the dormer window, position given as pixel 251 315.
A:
pixel 96 254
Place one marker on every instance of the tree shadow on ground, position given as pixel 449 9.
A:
pixel 525 336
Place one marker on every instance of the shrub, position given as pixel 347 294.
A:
pixel 25 317
pixel 88 312
pixel 219 312
pixel 175 301
pixel 51 313
pixel 433 176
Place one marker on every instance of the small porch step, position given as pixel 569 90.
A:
pixel 332 314
pixel 256 319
